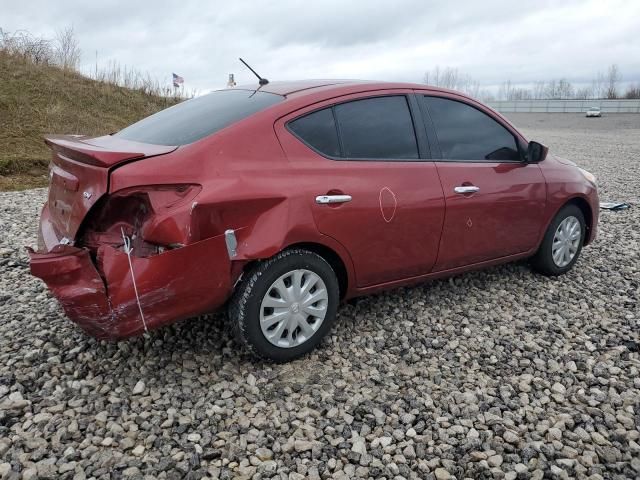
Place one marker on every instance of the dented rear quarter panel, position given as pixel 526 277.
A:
pixel 247 186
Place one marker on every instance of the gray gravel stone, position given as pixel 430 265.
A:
pixel 494 374
pixel 5 470
pixel 442 474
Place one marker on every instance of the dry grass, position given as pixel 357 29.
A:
pixel 36 99
pixel 22 181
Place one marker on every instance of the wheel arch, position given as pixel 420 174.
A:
pixel 327 253
pixel 332 257
pixel 585 208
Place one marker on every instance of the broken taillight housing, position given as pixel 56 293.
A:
pixel 154 217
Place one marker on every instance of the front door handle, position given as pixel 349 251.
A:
pixel 326 199
pixel 466 189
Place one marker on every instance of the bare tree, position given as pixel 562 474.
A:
pixel 471 87
pixel 432 77
pixel 565 89
pixel 67 49
pixel 584 93
pixel 505 92
pixel 486 96
pixel 613 78
pixel 449 78
pixel 446 78
pixel 558 89
pixel 597 85
pixel 551 90
pixel 633 91
pixel 539 89
pixel 520 94
pixel 22 44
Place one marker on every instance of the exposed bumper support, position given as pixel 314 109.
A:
pixel 101 299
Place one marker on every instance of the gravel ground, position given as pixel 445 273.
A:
pixel 493 374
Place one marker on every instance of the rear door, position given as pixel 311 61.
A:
pixel 370 183
pixel 494 200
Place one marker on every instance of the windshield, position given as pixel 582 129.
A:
pixel 199 117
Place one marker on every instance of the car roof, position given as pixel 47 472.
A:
pixel 302 87
pixel 301 93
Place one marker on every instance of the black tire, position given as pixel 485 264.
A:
pixel 542 261
pixel 244 307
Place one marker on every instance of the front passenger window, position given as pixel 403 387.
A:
pixel 466 133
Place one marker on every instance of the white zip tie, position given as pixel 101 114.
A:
pixel 127 250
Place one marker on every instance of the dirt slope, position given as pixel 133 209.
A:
pixel 40 99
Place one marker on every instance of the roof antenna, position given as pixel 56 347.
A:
pixel 261 81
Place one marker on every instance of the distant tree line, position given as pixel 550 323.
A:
pixel 604 85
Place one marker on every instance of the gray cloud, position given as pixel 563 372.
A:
pixel 491 40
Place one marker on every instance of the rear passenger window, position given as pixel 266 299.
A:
pixel 377 128
pixel 318 130
pixel 465 133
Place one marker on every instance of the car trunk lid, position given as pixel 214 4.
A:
pixel 79 175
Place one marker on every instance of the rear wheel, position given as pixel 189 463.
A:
pixel 285 305
pixel 562 243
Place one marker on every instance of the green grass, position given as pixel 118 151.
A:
pixel 39 99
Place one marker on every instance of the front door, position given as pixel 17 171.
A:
pixel 494 200
pixel 373 190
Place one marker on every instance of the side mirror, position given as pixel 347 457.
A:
pixel 536 152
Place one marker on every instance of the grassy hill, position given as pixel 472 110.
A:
pixel 40 99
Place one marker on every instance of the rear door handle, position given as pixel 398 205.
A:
pixel 466 189
pixel 326 199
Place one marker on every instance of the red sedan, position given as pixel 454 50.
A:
pixel 286 199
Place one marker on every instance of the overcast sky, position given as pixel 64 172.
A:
pixel 490 40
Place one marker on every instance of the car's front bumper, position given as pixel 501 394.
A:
pixel 111 298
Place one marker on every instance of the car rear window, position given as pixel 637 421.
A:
pixel 199 117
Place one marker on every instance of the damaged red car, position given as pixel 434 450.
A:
pixel 284 199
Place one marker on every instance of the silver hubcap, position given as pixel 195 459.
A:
pixel 293 308
pixel 566 241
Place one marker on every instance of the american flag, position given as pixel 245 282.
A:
pixel 177 80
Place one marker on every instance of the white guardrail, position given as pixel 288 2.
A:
pixel 565 106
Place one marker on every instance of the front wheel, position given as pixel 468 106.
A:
pixel 562 243
pixel 285 305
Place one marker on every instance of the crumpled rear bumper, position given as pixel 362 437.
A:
pixel 100 296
